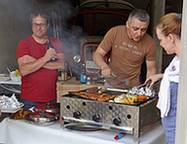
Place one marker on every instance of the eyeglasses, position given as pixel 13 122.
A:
pixel 39 24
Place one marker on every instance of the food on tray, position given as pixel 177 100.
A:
pixel 130 99
pixel 21 114
pixel 133 96
pixel 86 95
pixel 142 97
pixel 105 98
pixel 95 96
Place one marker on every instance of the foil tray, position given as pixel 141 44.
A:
pixel 42 119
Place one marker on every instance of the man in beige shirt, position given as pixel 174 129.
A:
pixel 129 46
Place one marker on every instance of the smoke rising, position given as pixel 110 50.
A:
pixel 59 12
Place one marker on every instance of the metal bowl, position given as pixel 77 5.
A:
pixel 48 110
pixel 42 118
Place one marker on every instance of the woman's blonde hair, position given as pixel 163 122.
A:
pixel 170 24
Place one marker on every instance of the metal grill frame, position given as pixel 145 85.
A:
pixel 134 119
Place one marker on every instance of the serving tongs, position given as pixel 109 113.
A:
pixel 142 86
pixel 112 80
pixel 112 77
pixel 108 89
pixel 145 84
pixel 104 79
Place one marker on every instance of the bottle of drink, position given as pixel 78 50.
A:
pixel 64 72
pixel 83 77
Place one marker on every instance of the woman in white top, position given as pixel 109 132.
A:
pixel 168 31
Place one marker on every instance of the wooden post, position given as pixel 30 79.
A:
pixel 181 129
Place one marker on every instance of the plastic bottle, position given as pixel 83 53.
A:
pixel 83 77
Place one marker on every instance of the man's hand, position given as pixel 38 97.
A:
pixel 98 57
pixel 58 64
pixel 106 71
pixel 50 53
pixel 28 64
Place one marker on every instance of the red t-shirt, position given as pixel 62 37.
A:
pixel 39 86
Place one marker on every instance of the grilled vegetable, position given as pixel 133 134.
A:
pixel 130 99
pixel 142 97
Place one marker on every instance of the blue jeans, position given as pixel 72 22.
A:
pixel 169 122
pixel 29 104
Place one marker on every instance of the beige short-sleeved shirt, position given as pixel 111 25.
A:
pixel 126 54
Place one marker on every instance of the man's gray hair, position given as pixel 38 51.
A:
pixel 140 14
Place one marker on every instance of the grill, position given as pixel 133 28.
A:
pixel 133 119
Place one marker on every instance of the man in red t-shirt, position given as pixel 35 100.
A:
pixel 39 57
pixel 128 45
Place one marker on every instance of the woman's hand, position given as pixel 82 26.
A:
pixel 154 78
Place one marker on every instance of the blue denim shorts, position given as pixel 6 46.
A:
pixel 169 122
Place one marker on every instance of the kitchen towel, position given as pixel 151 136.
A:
pixel 171 74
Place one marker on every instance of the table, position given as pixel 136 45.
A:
pixel 21 132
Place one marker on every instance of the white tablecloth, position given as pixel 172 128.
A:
pixel 21 132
